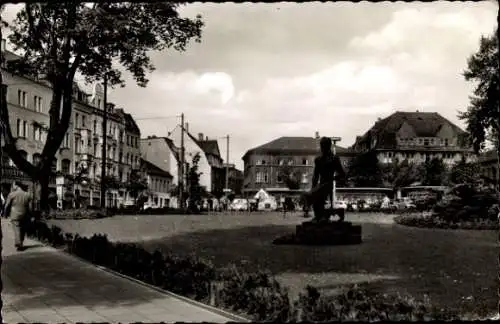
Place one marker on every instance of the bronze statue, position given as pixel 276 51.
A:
pixel 327 167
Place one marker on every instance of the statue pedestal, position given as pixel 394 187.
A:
pixel 328 233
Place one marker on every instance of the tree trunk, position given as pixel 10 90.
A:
pixel 44 192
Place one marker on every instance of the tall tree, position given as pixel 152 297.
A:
pixel 59 39
pixel 464 172
pixel 483 114
pixel 196 191
pixel 434 172
pixel 290 177
pixel 365 170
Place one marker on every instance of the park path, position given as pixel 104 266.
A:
pixel 42 284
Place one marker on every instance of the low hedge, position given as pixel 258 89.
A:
pixel 257 295
pixel 79 214
pixel 434 221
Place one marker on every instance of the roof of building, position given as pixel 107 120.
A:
pixel 130 124
pixel 291 145
pixel 174 149
pixel 207 146
pixel 155 170
pixel 425 124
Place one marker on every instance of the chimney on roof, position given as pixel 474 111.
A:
pixel 4 45
pixel 186 127
pixel 206 138
pixel 316 135
pixel 111 107
pixel 200 137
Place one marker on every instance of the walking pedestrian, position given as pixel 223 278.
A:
pixel 18 208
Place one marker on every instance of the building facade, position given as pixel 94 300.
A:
pixel 78 162
pixel 159 186
pixel 416 137
pixel 267 166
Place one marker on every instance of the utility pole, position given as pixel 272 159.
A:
pixel 104 143
pixel 227 163
pixel 181 166
pixel 334 192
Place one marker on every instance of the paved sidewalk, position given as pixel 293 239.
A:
pixel 43 284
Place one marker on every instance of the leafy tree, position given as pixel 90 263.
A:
pixel 434 173
pixel 464 173
pixel 291 178
pixel 136 184
pixel 195 190
pixel 59 39
pixel 403 174
pixel 483 115
pixel 365 170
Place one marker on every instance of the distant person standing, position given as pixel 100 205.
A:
pixel 18 207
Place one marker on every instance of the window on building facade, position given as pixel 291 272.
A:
pixel 84 121
pixel 37 103
pixel 259 177
pixel 305 178
pixel 65 165
pixel 77 145
pixel 98 103
pixel 19 126
pixel 420 141
pixel 25 129
pixel 305 161
pixel 95 126
pixel 446 142
pixel 36 158
pixel 21 98
pixel 53 167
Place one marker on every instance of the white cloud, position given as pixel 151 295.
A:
pixel 279 77
pixel 218 82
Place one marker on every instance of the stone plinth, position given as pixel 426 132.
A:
pixel 328 233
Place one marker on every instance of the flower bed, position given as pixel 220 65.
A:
pixel 256 295
pixel 434 221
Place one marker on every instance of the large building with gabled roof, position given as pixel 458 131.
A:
pixel 416 137
pixel 265 165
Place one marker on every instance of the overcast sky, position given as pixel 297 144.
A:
pixel 268 70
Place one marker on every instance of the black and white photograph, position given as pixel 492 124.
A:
pixel 249 162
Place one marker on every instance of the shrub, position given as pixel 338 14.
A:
pixel 257 294
pixel 435 221
pixel 356 304
pixel 79 214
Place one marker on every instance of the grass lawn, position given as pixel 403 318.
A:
pixel 456 268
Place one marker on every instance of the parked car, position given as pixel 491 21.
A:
pixel 148 205
pixel 406 203
pixel 340 204
pixel 239 205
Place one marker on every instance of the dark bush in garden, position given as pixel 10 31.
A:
pixel 434 221
pixel 258 294
pixel 356 304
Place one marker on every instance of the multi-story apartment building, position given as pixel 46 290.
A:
pixel 416 137
pixel 266 166
pixel 81 150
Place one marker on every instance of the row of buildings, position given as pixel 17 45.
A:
pixel 412 136
pixel 129 158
